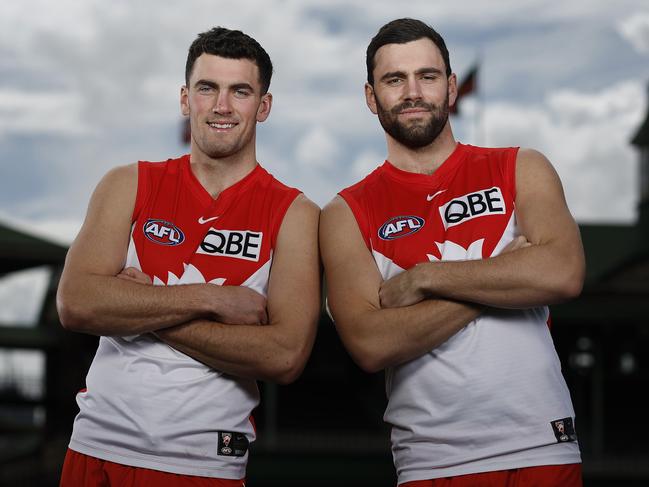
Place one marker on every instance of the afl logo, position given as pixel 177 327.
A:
pixel 400 226
pixel 163 232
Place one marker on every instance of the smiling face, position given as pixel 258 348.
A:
pixel 411 92
pixel 224 103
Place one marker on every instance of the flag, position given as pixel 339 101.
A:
pixel 467 86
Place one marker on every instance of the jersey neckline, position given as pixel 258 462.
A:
pixel 427 179
pixel 206 198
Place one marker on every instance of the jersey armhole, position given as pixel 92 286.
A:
pixel 510 170
pixel 142 190
pixel 360 216
pixel 279 215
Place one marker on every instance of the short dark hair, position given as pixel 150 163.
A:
pixel 401 31
pixel 231 44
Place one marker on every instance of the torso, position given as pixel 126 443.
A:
pixel 147 404
pixel 484 400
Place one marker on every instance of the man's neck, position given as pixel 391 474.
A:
pixel 216 175
pixel 424 160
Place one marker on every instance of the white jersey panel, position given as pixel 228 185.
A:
pixel 467 406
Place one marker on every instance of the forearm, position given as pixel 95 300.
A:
pixel 534 276
pixel 107 305
pixel 380 338
pixel 250 351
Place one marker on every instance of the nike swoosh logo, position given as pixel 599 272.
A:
pixel 202 220
pixel 430 197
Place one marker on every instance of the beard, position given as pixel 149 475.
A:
pixel 415 134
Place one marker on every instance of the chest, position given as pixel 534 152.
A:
pixel 179 238
pixel 466 215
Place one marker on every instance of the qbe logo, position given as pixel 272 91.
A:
pixel 473 205
pixel 400 226
pixel 240 244
pixel 163 232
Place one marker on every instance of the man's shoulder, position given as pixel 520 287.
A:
pixel 274 184
pixel 171 163
pixel 490 152
pixel 362 185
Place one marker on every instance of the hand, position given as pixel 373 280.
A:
pixel 239 305
pixel 519 242
pixel 135 275
pixel 234 304
pixel 401 290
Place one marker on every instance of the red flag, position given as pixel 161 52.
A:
pixel 468 85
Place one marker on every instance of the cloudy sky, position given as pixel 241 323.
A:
pixel 86 85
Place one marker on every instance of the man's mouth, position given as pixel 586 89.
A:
pixel 221 125
pixel 413 110
pixel 419 107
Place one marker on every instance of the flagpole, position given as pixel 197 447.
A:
pixel 479 122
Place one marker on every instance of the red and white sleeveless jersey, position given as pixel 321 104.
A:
pixel 492 397
pixel 147 404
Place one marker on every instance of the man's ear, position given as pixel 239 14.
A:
pixel 452 89
pixel 184 101
pixel 370 98
pixel 264 107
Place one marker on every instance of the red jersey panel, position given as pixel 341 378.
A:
pixel 468 201
pixel 180 230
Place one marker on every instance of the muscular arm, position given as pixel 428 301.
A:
pixel 277 351
pixel 92 299
pixel 550 270
pixel 378 337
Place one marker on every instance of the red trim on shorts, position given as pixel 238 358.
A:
pixel 81 470
pixel 543 476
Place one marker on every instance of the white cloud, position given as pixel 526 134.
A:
pixel 317 148
pixel 61 231
pixel 101 79
pixel 21 295
pixel 366 162
pixel 57 113
pixel 586 136
pixel 635 29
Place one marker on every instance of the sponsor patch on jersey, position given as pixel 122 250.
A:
pixel 400 226
pixel 232 444
pixel 564 430
pixel 472 205
pixel 163 232
pixel 239 244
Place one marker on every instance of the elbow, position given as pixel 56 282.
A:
pixel 572 288
pixel 287 373
pixel 573 282
pixel 366 351
pixel 370 363
pixel 289 367
pixel 73 315
pixel 570 283
pixel 368 358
